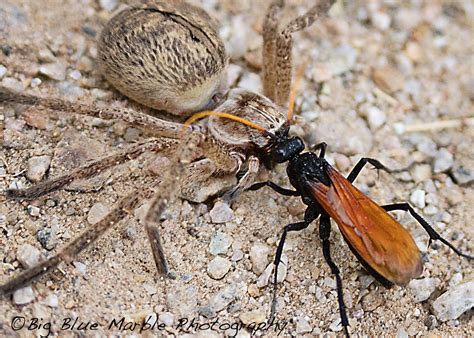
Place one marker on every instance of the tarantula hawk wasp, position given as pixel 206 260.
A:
pixel 380 243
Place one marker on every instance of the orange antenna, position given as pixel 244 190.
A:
pixel 294 89
pixel 203 114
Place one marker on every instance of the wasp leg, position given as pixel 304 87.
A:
pixel 310 215
pixel 274 186
pixel 324 233
pixel 360 165
pixel 434 235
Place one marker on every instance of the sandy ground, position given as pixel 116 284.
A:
pixel 373 69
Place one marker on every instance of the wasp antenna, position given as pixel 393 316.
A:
pixel 203 114
pixel 294 89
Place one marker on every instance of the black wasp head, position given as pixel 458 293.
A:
pixel 281 149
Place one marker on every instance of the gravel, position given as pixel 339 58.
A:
pixel 221 213
pixel 454 302
pixel 422 289
pixel 37 167
pixel 218 267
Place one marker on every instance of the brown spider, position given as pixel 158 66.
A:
pixel 214 154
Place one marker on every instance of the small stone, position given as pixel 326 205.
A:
pixel 421 172
pixel 455 279
pixel 75 75
pixel 37 167
pixel 375 117
pixel 28 255
pixel 423 288
pixel 380 20
pixel 454 302
pixel 237 255
pixel 463 174
pixel 97 212
pixel 252 317
pixel 443 161
pixel 259 257
pixel 36 118
pixel 45 55
pixel 47 237
pixel 166 318
pixel 33 210
pixel 23 296
pixel 302 326
pixel 365 281
pixel 227 295
pixel 3 71
pixel 108 5
pixel 418 198
pixel 55 71
pixel 340 61
pixel 330 282
pixel 336 325
pixel 52 300
pixel 81 268
pixel 220 243
pixel 221 213
pixel 402 333
pixel 218 267
pixel 12 84
pixel 150 289
pixel 389 79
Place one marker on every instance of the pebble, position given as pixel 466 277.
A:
pixel 443 161
pixel 237 255
pixel 28 255
pixel 150 289
pixel 336 325
pixel 380 20
pixel 75 75
pixel 33 210
pixel 454 302
pixel 81 268
pixel 220 243
pixel 455 279
pixel 303 326
pixel 108 5
pixel 402 333
pixel 3 71
pixel 264 278
pixel 12 84
pixel 421 172
pixel 36 118
pixel 221 213
pixel 51 300
pixel 463 174
pixel 340 60
pixel 259 257
pixel 23 296
pixel 417 197
pixel 389 79
pixel 166 318
pixel 55 71
pixel 37 167
pixel 376 117
pixel 422 288
pixel 252 317
pixel 45 55
pixel 218 267
pixel 226 296
pixel 47 237
pixel 97 212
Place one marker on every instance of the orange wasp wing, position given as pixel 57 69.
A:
pixel 377 238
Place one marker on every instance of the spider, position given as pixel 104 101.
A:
pixel 221 155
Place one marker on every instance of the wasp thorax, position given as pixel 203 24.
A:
pixel 165 56
pixel 253 107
